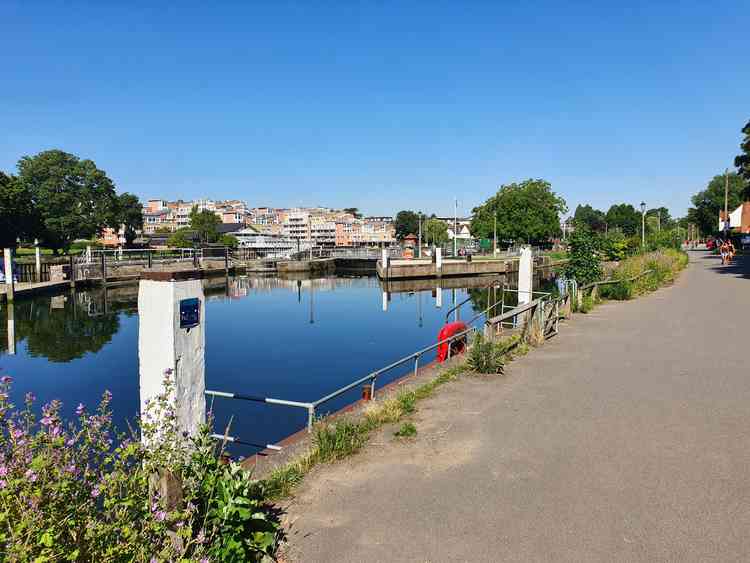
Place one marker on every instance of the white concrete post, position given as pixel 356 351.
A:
pixel 384 258
pixel 163 345
pixel 439 259
pixel 11 329
pixel 525 276
pixel 8 265
pixel 38 260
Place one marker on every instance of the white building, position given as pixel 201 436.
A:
pixel 269 245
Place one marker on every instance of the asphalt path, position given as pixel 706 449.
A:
pixel 625 438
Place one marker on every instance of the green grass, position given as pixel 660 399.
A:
pixel 343 437
pixel 407 430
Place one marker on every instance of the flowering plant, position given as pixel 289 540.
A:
pixel 78 491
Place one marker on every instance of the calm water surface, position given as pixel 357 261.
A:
pixel 288 339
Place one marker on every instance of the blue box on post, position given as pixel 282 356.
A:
pixel 190 312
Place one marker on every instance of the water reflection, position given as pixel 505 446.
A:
pixel 60 328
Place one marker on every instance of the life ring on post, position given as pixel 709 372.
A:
pixel 457 345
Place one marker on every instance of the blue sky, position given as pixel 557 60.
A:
pixel 380 105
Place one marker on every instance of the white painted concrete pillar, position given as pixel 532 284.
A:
pixel 8 266
pixel 11 328
pixel 384 258
pixel 525 276
pixel 164 345
pixel 439 259
pixel 38 260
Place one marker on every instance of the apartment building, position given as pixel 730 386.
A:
pixel 370 231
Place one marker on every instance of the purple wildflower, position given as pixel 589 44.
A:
pixel 2 483
pixel 3 471
pixel 30 397
pixel 161 516
pixel 46 420
pixel 80 408
pixel 201 538
pixel 95 492
pixel 6 379
pixel 31 475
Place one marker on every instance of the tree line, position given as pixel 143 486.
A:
pixel 57 197
pixel 527 211
pixel 707 203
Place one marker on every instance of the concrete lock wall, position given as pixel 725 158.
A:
pixel 163 345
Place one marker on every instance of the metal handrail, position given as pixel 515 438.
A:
pixel 311 407
pixel 612 281
pixel 516 311
pixel 492 283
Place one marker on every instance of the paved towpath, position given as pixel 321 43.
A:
pixel 626 438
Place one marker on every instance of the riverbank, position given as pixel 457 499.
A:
pixel 491 452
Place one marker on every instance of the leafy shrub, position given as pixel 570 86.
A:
pixel 485 356
pixel 407 430
pixel 614 246
pixel 78 491
pixel 584 264
pixel 664 264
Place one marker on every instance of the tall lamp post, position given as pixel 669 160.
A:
pixel 643 223
pixel 419 248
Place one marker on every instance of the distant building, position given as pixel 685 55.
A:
pixel 739 219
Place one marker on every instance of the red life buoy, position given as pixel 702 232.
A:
pixel 456 346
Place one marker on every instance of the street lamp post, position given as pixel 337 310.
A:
pixel 643 223
pixel 419 248
pixel 455 226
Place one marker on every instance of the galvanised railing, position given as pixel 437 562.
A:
pixel 370 379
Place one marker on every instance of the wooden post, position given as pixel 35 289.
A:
pixel 226 260
pixel 104 267
pixel 149 260
pixel 8 264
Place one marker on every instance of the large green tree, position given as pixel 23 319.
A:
pixel 205 224
pixel 527 211
pixel 592 218
pixel 18 217
pixel 74 198
pixel 435 231
pixel 406 222
pixel 742 161
pixel 709 202
pixel 129 214
pixel 624 217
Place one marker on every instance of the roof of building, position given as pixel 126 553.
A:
pixel 226 228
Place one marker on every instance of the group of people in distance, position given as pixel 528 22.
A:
pixel 726 249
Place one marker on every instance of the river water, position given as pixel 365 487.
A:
pixel 289 339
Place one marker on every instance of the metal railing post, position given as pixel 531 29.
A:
pixel 372 388
pixel 310 417
pixel 416 364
